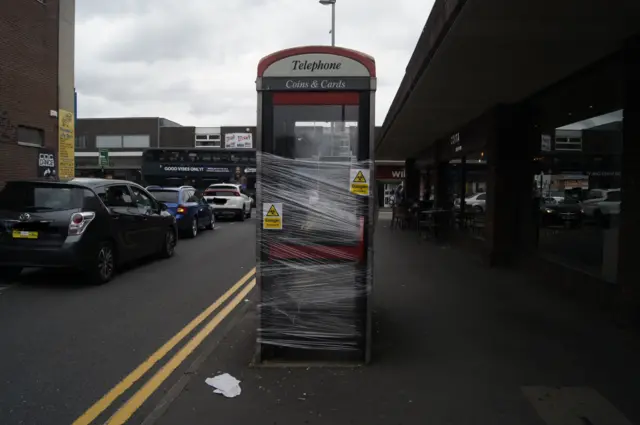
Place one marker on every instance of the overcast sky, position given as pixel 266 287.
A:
pixel 195 61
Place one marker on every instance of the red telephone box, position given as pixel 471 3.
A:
pixel 315 204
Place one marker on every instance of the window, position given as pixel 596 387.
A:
pixel 117 196
pixel 127 141
pixel 191 196
pixel 138 141
pixel 30 136
pixel 208 141
pixel 81 142
pixel 212 192
pixel 613 196
pixel 595 194
pixel 569 144
pixel 30 197
pixel 166 196
pixel 482 197
pixel 144 203
pixel 108 141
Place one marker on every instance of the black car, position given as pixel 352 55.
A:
pixel 93 225
pixel 567 213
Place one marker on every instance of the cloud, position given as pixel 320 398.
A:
pixel 195 62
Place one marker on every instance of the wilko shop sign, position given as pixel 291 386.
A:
pixel 389 172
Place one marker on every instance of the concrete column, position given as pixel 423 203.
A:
pixel 509 186
pixel 628 275
pixel 411 179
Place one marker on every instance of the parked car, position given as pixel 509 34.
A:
pixel 251 196
pixel 602 203
pixel 229 202
pixel 93 225
pixel 476 202
pixel 191 211
pixel 226 186
pixel 567 213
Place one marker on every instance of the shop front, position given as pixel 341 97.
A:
pixel 199 168
pixel 388 178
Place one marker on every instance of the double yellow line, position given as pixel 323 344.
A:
pixel 128 409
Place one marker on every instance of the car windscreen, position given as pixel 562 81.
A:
pixel 167 196
pixel 40 197
pixel 210 192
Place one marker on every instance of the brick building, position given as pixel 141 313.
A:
pixel 36 47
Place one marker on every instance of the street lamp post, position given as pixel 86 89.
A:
pixel 333 18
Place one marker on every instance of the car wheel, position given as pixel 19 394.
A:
pixel 248 213
pixel 104 265
pixel 212 222
pixel 169 245
pixel 242 215
pixel 9 273
pixel 477 209
pixel 193 230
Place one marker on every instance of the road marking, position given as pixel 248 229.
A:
pixel 129 408
pixel 106 401
pixel 573 406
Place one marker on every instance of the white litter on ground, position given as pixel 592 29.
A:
pixel 225 384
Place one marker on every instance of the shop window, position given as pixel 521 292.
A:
pixel 30 136
pixel 468 187
pixel 579 196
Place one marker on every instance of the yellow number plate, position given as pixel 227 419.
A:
pixel 22 234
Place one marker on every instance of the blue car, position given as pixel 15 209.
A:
pixel 191 211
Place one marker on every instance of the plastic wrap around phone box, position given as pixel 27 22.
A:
pixel 314 272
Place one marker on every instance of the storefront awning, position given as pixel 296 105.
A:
pixel 474 54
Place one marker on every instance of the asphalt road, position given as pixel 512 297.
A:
pixel 65 344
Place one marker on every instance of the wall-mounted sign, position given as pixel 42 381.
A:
pixel 545 143
pixel 389 172
pixel 47 164
pixel 103 158
pixel 455 142
pixel 238 140
pixel 312 84
pixel 193 169
pixel 316 65
pixel 66 144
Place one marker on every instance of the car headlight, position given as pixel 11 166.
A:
pixel 548 210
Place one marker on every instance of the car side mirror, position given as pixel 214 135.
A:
pixel 163 207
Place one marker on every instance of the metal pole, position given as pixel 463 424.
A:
pixel 333 24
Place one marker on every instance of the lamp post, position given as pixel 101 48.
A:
pixel 333 18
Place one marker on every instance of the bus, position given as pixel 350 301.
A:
pixel 200 167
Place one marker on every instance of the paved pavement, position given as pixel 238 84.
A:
pixel 65 344
pixel 455 343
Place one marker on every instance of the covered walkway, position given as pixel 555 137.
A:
pixel 524 116
pixel 455 343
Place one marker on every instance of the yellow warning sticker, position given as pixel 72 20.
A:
pixel 272 216
pixel 359 181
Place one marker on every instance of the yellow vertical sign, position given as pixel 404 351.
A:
pixel 66 145
pixel 272 216
pixel 359 181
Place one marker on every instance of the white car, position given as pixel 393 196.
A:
pixel 226 186
pixel 602 202
pixel 477 202
pixel 228 202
